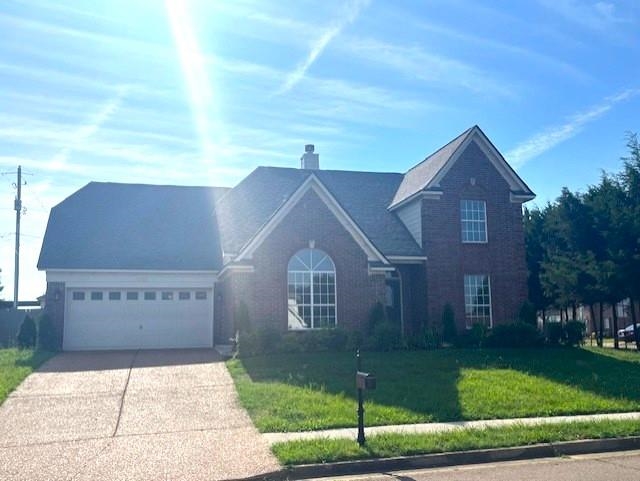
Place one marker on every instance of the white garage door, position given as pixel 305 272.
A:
pixel 144 318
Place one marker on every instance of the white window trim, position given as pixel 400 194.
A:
pixel 466 321
pixel 335 297
pixel 486 226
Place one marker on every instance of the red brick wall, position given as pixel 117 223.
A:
pixel 503 257
pixel 265 290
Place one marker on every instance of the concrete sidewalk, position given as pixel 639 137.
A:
pixel 273 438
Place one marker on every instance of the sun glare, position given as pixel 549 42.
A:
pixel 194 69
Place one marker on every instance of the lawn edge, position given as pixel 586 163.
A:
pixel 455 458
pixel 48 355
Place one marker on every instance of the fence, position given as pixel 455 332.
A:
pixel 10 320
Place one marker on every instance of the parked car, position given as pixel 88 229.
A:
pixel 626 334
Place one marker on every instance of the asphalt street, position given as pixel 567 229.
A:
pixel 591 467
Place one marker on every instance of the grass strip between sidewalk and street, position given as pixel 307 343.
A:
pixel 400 444
pixel 17 364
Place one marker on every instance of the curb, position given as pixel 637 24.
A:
pixel 439 460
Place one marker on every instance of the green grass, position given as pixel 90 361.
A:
pixel 15 365
pixel 391 445
pixel 298 392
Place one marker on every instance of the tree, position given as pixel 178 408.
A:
pixel 535 253
pixel 27 333
pixel 629 179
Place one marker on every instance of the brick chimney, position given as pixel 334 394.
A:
pixel 309 159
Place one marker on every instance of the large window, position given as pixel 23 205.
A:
pixel 477 300
pixel 311 290
pixel 473 216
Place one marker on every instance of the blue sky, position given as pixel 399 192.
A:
pixel 202 92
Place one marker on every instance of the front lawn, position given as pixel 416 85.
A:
pixel 15 365
pixel 299 392
pixel 391 445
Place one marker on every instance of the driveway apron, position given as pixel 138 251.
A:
pixel 128 415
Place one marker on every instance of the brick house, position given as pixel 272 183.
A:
pixel 132 265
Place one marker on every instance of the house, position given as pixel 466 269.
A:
pixel 148 266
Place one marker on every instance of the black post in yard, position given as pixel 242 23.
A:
pixel 361 439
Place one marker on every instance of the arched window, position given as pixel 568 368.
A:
pixel 311 290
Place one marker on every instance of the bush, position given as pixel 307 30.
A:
pixel 47 335
pixel 264 340
pixel 290 343
pixel 473 337
pixel 241 320
pixel 355 340
pixel 377 316
pixel 554 333
pixel 574 333
pixel 385 337
pixel 449 331
pixel 27 333
pixel 432 338
pixel 528 314
pixel 517 335
pixel 269 340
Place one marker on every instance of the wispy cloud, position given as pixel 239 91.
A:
pixel 550 137
pixel 85 131
pixel 492 44
pixel 598 16
pixel 415 63
pixel 350 14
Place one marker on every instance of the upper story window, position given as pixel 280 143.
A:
pixel 311 290
pixel 473 217
pixel 477 300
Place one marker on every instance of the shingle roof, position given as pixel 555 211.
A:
pixel 419 176
pixel 134 226
pixel 363 195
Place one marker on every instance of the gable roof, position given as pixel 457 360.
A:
pixel 427 174
pixel 134 226
pixel 259 196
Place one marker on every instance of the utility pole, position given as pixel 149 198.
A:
pixel 18 208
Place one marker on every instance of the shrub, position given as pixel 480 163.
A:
pixel 377 316
pixel 290 343
pixel 385 337
pixel 241 320
pixel 515 335
pixel 449 331
pixel 554 333
pixel 264 340
pixel 473 337
pixel 27 333
pixel 432 338
pixel 47 335
pixel 355 340
pixel 336 339
pixel 574 333
pixel 528 314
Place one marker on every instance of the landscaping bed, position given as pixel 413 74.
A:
pixel 312 391
pixel 393 445
pixel 15 365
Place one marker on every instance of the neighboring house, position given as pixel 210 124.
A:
pixel 623 313
pixel 148 266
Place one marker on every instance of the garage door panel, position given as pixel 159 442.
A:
pixel 123 323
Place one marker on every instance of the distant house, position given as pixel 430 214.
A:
pixel 132 265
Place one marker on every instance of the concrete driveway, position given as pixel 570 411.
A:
pixel 148 415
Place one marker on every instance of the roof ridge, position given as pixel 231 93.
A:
pixel 142 184
pixel 310 171
pixel 466 132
